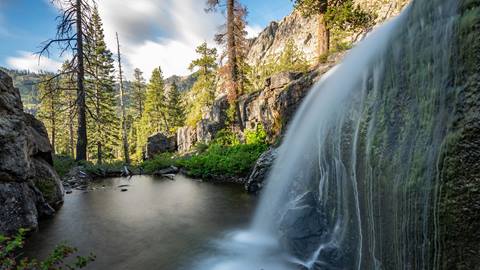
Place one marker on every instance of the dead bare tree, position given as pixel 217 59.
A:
pixel 122 105
pixel 70 38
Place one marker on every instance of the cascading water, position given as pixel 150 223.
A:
pixel 357 181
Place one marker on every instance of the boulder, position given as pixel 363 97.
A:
pixel 160 143
pixel 259 174
pixel 29 186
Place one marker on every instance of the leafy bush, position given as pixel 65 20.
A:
pixel 256 136
pixel 105 167
pixel 226 137
pixel 9 258
pixel 63 164
pixel 159 162
pixel 226 156
pixel 222 160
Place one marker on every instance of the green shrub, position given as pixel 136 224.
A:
pixel 159 162
pixel 226 156
pixel 256 136
pixel 9 258
pixel 105 167
pixel 236 160
pixel 63 164
pixel 226 137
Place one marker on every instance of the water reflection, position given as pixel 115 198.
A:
pixel 156 224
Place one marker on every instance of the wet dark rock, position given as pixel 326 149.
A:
pixel 160 143
pixel 303 227
pixel 259 174
pixel 170 170
pixel 29 186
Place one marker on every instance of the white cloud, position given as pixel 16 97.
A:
pixel 158 32
pixel 32 62
pixel 253 30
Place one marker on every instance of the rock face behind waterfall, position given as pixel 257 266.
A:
pixel 395 165
pixel 29 186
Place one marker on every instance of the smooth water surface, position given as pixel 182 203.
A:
pixel 156 224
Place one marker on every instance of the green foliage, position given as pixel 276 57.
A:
pixel 290 60
pixel 236 160
pixel 154 118
pixel 202 93
pixel 138 93
pixel 175 108
pixel 63 164
pixel 226 137
pixel 9 258
pixel 343 18
pixel 226 156
pixel 102 120
pixel 159 162
pixel 256 136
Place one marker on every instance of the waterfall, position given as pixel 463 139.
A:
pixel 357 181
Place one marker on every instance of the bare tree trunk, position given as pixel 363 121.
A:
pixel 122 105
pixel 232 58
pixel 82 121
pixel 323 45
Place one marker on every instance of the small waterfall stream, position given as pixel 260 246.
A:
pixel 356 183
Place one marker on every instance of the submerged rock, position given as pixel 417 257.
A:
pixel 29 186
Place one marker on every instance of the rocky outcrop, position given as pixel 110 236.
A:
pixel 160 143
pixel 261 170
pixel 304 32
pixel 272 40
pixel 29 186
pixel 273 107
pixel 186 138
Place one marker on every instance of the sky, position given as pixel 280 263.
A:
pixel 152 32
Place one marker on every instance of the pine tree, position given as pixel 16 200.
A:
pixel 154 118
pixel 103 121
pixel 203 91
pixel 66 135
pixel 136 111
pixel 49 108
pixel 138 93
pixel 176 110
pixel 340 14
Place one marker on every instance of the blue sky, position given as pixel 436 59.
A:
pixel 152 32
